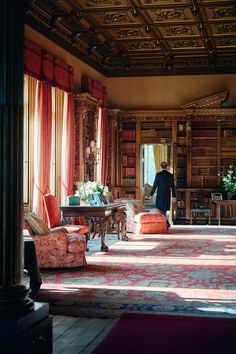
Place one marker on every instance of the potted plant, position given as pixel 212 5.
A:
pixel 229 181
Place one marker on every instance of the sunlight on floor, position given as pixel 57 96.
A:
pixel 101 258
pixel 185 293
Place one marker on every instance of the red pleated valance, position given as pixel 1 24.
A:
pixel 94 88
pixel 45 67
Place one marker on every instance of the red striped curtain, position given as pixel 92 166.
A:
pixel 42 146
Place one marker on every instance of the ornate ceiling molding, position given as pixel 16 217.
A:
pixel 142 37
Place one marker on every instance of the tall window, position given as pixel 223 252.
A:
pixel 29 116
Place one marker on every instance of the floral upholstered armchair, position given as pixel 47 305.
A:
pixel 142 221
pixel 56 249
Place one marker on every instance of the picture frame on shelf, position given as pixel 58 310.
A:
pixel 95 199
pixel 216 196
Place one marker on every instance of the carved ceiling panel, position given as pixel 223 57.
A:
pixel 142 37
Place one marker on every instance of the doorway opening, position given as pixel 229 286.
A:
pixel 151 157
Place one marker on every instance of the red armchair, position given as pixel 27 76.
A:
pixel 55 249
pixel 54 217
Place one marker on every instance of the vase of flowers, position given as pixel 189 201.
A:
pixel 86 189
pixel 229 181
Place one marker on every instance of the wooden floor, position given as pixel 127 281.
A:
pixel 75 335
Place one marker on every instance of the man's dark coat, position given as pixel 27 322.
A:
pixel 164 183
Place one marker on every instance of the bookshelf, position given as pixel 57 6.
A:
pixel 204 151
pixel 228 144
pixel 203 142
pixel 127 151
pixel 156 132
pixel 181 153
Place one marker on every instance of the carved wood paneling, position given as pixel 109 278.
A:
pixel 86 109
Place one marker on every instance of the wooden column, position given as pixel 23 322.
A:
pixel 14 300
pixel 25 326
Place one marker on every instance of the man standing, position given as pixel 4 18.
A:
pixel 164 183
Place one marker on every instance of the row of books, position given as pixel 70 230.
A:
pixel 129 171
pixel 181 150
pixel 204 143
pixel 129 182
pixel 156 133
pixel 128 147
pixel 128 134
pixel 205 171
pixel 204 182
pixel 204 162
pixel 228 133
pixel 228 142
pixel 204 133
pixel 204 152
pixel 128 160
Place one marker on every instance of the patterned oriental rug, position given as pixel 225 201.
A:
pixel 189 271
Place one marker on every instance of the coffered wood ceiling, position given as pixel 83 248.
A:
pixel 142 37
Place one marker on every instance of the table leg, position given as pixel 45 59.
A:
pixel 100 225
pixel 123 227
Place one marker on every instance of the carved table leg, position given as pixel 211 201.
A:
pixel 100 225
pixel 123 226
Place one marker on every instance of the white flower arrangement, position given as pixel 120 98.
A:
pixel 85 189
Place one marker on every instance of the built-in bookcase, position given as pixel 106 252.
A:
pixel 127 159
pixel 204 150
pixel 201 149
pixel 228 144
pixel 181 153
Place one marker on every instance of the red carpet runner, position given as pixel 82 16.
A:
pixel 163 334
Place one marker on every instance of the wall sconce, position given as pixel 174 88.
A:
pixel 92 154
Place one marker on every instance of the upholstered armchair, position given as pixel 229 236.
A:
pixel 54 217
pixel 55 249
pixel 140 220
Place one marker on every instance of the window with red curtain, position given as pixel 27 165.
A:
pixel 57 112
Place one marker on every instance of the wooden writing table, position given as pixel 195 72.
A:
pixel 98 215
pixel 220 203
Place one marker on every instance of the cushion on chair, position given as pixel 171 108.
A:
pixel 72 229
pixel 52 210
pixel 36 224
pixel 27 229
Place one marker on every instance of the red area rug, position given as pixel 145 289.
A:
pixel 163 334
pixel 190 271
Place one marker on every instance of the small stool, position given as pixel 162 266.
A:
pixel 204 211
